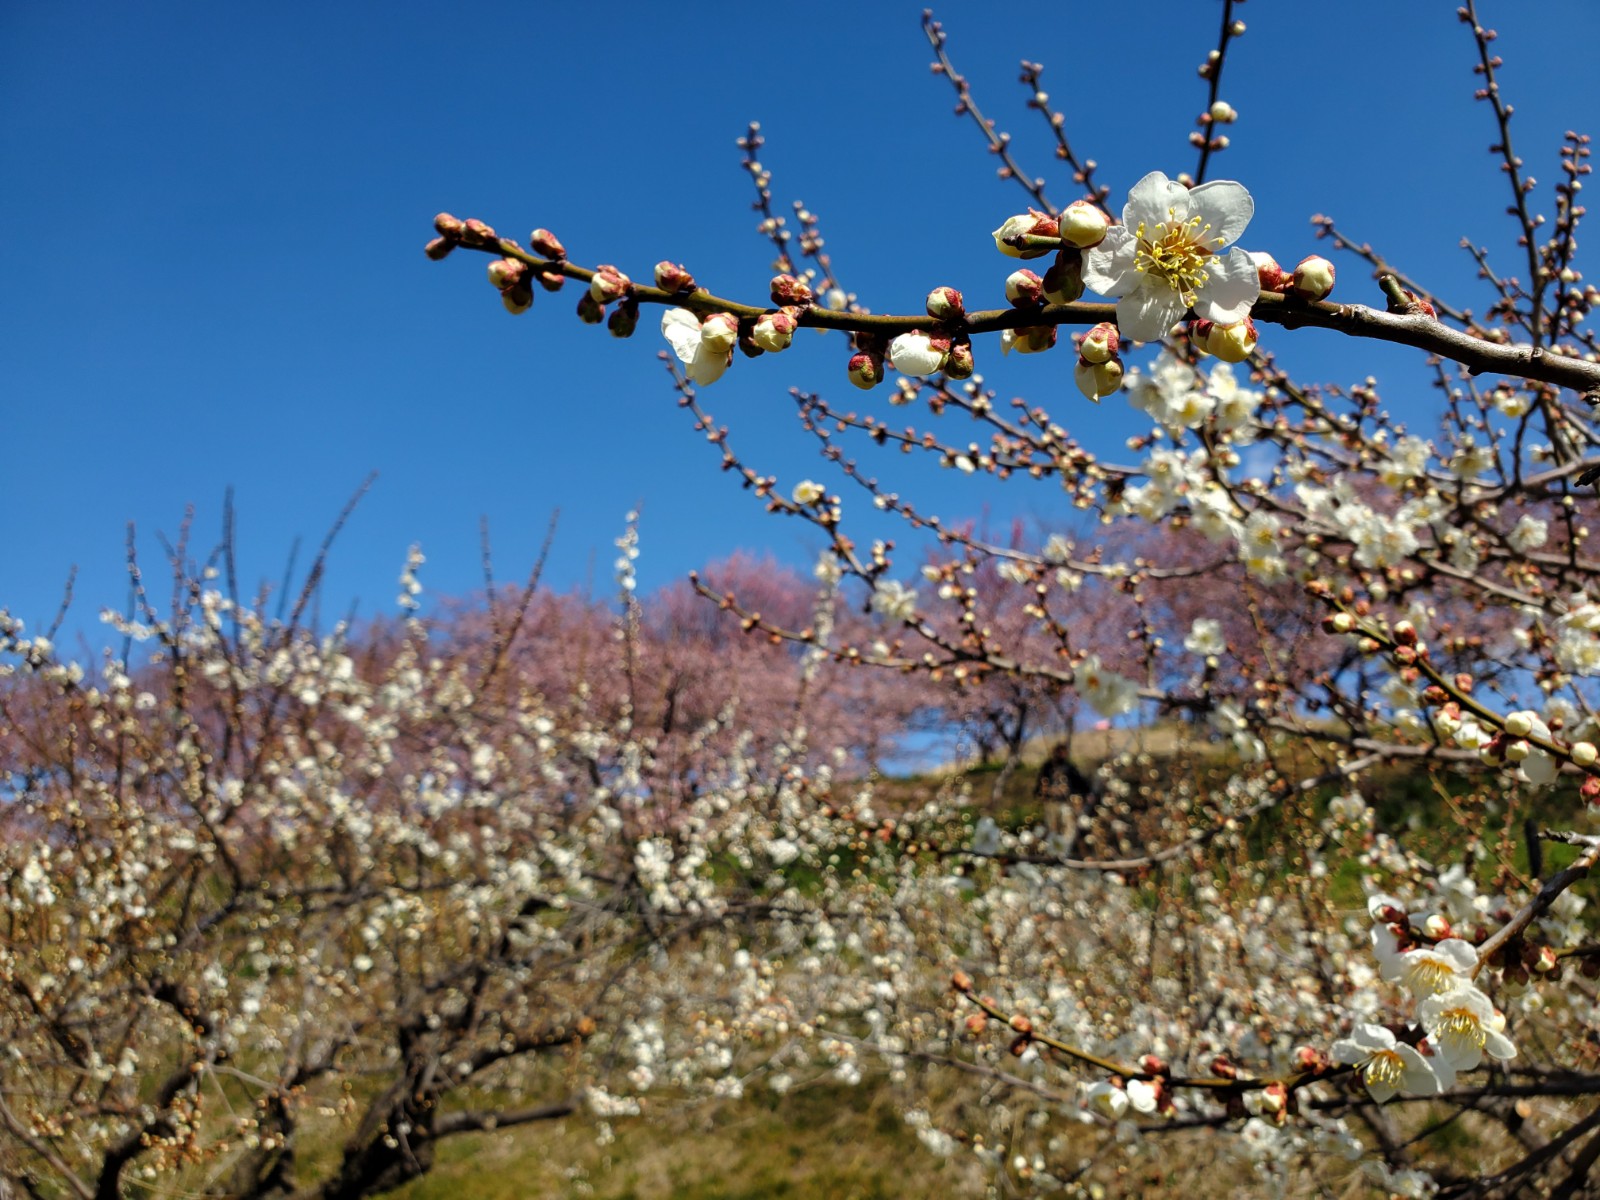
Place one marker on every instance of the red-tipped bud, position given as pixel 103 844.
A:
pixel 977 1022
pixel 719 332
pixel 1024 289
pixel 1101 343
pixel 1063 282
pixel 1269 274
pixel 475 233
pixel 550 280
pixel 775 330
pixel 542 241
pixel 1309 1058
pixel 959 364
pixel 673 277
pixel 1098 380
pixel 447 226
pixel 1544 961
pixel 1222 1068
pixel 945 304
pixel 506 272
pixel 788 291
pixel 1405 633
pixel 590 310
pixel 866 369
pixel 1231 343
pixel 961 982
pixel 609 284
pixel 1033 339
pixel 518 298
pixel 1313 278
pixel 1008 238
pixel 624 320
pixel 439 247
pixel 1084 224
pixel 1021 1024
pixel 1152 1064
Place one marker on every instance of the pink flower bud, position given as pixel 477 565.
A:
pixel 1063 283
pixel 542 241
pixel 673 277
pixel 1033 223
pixel 590 310
pixel 1313 278
pixel 624 320
pixel 475 233
pixel 959 365
pixel 447 226
pixel 439 247
pixel 518 298
pixel 1084 224
pixel 1269 274
pixel 1098 380
pixel 775 330
pixel 506 272
pixel 1024 289
pixel 1101 343
pixel 609 284
pixel 719 332
pixel 945 304
pixel 866 369
pixel 550 280
pixel 787 291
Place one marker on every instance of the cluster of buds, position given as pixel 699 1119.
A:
pixel 1081 226
pixel 1312 278
pixel 1099 371
pixel 511 277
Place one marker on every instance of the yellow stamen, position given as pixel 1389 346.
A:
pixel 1384 1067
pixel 1461 1025
pixel 1429 975
pixel 1176 252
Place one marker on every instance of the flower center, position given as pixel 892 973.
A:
pixel 1384 1067
pixel 1174 251
pixel 1462 1028
pixel 1431 975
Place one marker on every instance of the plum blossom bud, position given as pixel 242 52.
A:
pixel 518 298
pixel 1231 343
pixel 787 290
pixel 945 304
pixel 775 330
pixel 1309 1058
pixel 1269 274
pixel 719 332
pixel 447 226
pixel 1033 223
pixel 916 353
pixel 542 241
pixel 673 277
pixel 1033 339
pixel 590 310
pixel 439 247
pixel 1084 225
pixel 807 492
pixel 1224 113
pixel 1063 282
pixel 475 233
pixel 1313 278
pixel 624 320
pixel 1098 380
pixel 1517 750
pixel 866 369
pixel 1584 753
pixel 1519 724
pixel 1024 289
pixel 506 272
pixel 550 280
pixel 1100 344
pixel 961 982
pixel 959 364
pixel 609 284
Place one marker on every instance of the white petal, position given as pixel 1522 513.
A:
pixel 1146 313
pixel 1418 1078
pixel 1372 1038
pixel 1378 1089
pixel 1347 1053
pixel 708 365
pixel 681 328
pixel 1499 1045
pixel 1232 287
pixel 1540 768
pixel 1155 199
pixel 1142 1095
pixel 1225 206
pixel 1459 953
pixel 1108 268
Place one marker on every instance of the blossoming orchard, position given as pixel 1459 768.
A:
pixel 1303 908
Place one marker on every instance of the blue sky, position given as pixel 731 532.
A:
pixel 212 274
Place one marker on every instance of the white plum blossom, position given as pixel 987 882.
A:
pixel 1205 637
pixel 1170 255
pixel 705 357
pixel 1430 970
pixel 894 600
pixel 1108 1100
pixel 807 492
pixel 1462 1027
pixel 1577 647
pixel 1529 533
pixel 1385 1065
pixel 915 353
pixel 1108 693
